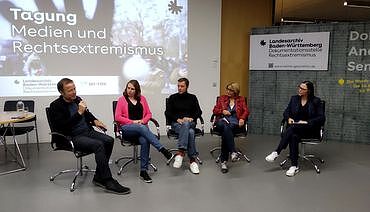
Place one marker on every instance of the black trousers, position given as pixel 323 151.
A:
pixel 227 134
pixel 101 145
pixel 292 136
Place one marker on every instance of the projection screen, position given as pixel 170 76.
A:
pixel 100 44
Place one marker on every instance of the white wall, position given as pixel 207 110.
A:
pixel 204 55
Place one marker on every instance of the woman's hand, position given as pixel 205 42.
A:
pixel 226 113
pixel 290 121
pixel 241 122
pixel 137 121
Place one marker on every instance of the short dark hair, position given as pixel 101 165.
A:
pixel 136 85
pixel 183 79
pixel 63 82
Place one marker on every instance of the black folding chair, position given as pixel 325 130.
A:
pixel 134 143
pixel 62 142
pixel 313 141
pixel 240 134
pixel 172 135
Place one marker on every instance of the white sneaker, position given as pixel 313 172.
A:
pixel 194 168
pixel 234 157
pixel 224 168
pixel 271 157
pixel 178 161
pixel 292 171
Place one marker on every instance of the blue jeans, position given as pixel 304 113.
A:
pixel 145 137
pixel 186 137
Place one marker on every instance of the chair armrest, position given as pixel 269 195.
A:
pixel 213 117
pixel 117 133
pixel 282 125
pixel 201 124
pixel 155 122
pixel 168 128
pixel 201 120
pixel 213 122
pixel 321 133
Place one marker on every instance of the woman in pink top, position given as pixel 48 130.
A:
pixel 132 114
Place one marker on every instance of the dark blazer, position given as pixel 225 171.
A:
pixel 316 116
pixel 62 120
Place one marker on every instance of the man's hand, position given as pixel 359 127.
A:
pixel 188 119
pixel 81 107
pixel 100 124
pixel 180 121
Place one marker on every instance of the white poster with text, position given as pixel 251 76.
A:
pixel 290 51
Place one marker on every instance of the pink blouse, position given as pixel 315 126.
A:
pixel 121 115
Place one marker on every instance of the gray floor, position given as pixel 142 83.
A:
pixel 343 185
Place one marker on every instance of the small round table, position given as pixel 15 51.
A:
pixel 7 121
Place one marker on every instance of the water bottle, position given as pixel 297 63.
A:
pixel 20 106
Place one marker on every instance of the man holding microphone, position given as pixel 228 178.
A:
pixel 70 116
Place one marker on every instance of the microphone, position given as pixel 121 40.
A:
pixel 78 100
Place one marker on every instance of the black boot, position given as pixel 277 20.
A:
pixel 145 176
pixel 112 186
pixel 166 153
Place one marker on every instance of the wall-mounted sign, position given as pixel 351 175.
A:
pixel 361 85
pixel 290 51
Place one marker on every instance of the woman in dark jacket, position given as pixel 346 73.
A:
pixel 304 115
pixel 231 113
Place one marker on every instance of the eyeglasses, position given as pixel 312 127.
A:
pixel 228 89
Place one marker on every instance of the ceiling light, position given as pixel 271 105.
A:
pixel 358 4
pixel 296 21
